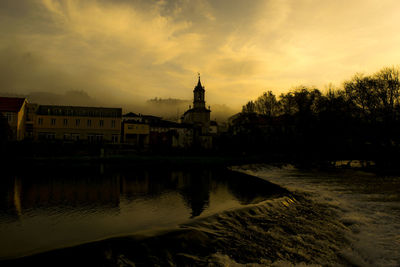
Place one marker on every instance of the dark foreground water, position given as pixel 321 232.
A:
pixel 108 216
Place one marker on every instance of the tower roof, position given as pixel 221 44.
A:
pixel 199 86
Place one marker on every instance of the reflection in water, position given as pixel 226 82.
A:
pixel 196 192
pixel 70 206
pixel 17 196
pixel 66 191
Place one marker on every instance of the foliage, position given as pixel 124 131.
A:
pixel 361 118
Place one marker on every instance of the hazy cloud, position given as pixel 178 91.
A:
pixel 125 52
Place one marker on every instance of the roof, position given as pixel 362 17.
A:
pixel 199 86
pixel 196 110
pixel 133 122
pixel 13 104
pixel 151 117
pixel 130 114
pixel 165 123
pixel 55 110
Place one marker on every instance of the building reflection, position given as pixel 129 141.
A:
pixel 193 187
pixel 71 193
pixel 104 188
pixel 195 190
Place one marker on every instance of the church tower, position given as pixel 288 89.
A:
pixel 199 115
pixel 198 96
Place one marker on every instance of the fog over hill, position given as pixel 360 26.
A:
pixel 167 108
pixel 173 108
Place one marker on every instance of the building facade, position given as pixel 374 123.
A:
pixel 135 131
pixel 71 123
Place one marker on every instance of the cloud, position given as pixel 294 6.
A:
pixel 125 52
pixel 235 68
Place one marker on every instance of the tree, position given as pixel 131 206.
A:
pixel 250 107
pixel 287 104
pixel 267 104
pixel 301 100
pixel 361 91
pixel 387 90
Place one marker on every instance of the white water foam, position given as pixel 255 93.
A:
pixel 368 205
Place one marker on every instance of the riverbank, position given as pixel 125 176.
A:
pixel 59 154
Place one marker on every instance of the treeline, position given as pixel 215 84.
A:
pixel 359 120
pixel 168 101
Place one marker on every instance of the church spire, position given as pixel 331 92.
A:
pixel 198 97
pixel 199 83
pixel 199 86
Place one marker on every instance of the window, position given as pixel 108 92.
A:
pixel 40 121
pixel 65 122
pixel 77 122
pixel 113 124
pixel 67 136
pixel 75 136
pixel 89 123
pixel 101 123
pixel 115 138
pixel 90 138
pixel 51 136
pixel 99 138
pixel 53 122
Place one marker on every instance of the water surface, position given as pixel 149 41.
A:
pixel 367 204
pixel 48 208
pixel 113 217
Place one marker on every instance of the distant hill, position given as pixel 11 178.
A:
pixel 168 101
pixel 69 98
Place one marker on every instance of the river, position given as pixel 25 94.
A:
pixel 257 215
pixel 367 204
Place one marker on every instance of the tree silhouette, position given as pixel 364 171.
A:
pixel 250 107
pixel 361 119
pixel 267 104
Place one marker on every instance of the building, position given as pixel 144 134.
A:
pixel 146 130
pixel 199 115
pixel 135 131
pixel 14 111
pixel 169 134
pixel 213 127
pixel 72 123
pixel 199 118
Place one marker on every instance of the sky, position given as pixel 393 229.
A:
pixel 125 51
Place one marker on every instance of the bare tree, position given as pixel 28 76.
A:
pixel 361 90
pixel 387 89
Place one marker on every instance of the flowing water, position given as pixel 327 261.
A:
pixel 257 215
pixel 367 204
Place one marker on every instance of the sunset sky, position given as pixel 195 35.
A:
pixel 130 51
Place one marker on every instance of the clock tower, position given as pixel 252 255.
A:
pixel 199 115
pixel 198 96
